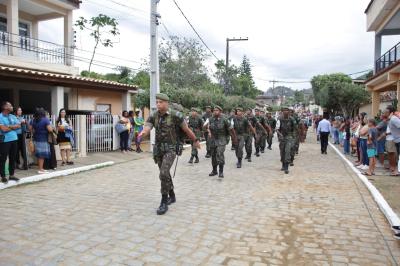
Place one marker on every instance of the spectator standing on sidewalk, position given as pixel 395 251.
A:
pixel 346 136
pixel 371 147
pixel 323 130
pixel 391 152
pixel 131 117
pixel 65 137
pixel 124 135
pixel 40 127
pixel 381 140
pixel 139 122
pixel 21 132
pixel 394 125
pixel 8 141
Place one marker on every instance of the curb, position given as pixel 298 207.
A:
pixel 37 178
pixel 390 215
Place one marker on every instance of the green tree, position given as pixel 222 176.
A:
pixel 322 81
pixel 102 28
pixel 299 97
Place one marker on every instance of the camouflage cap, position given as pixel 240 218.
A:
pixel 208 107
pixel 239 109
pixel 218 107
pixel 285 108
pixel 249 109
pixel 162 96
pixel 193 109
pixel 256 109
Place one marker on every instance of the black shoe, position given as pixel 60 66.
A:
pixel 197 159
pixel 257 155
pixel 283 167
pixel 286 168
pixel 13 178
pixel 163 206
pixel 291 164
pixel 247 157
pixel 214 171
pixel 208 155
pixel 239 163
pixel 191 160
pixel 171 198
pixel 221 171
pixel 269 148
pixel 263 151
pixel 4 180
pixel 233 148
pixel 249 160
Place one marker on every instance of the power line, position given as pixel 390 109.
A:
pixel 129 7
pixel 195 31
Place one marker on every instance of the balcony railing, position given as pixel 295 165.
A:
pixel 35 49
pixel 388 59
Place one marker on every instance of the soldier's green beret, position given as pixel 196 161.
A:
pixel 249 109
pixel 208 107
pixel 193 109
pixel 285 108
pixel 239 109
pixel 162 96
pixel 218 107
pixel 256 109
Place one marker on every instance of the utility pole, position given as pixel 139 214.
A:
pixel 154 63
pixel 227 81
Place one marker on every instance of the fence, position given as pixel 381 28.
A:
pixel 388 59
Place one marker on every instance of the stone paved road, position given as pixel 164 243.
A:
pixel 319 214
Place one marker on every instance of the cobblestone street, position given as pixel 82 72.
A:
pixel 319 214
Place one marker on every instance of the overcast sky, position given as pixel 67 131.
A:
pixel 289 40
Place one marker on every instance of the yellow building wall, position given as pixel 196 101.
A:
pixel 89 99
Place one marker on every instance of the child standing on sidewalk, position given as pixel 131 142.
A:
pixel 372 146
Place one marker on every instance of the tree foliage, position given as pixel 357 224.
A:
pixel 338 94
pixel 102 28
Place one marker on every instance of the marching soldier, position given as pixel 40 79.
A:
pixel 196 125
pixel 168 124
pixel 262 131
pixel 272 123
pixel 286 133
pixel 207 115
pixel 264 137
pixel 219 129
pixel 232 116
pixel 296 137
pixel 249 138
pixel 242 128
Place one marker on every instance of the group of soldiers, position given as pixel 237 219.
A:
pixel 241 127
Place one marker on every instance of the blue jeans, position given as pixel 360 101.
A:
pixel 346 146
pixel 336 135
pixel 363 151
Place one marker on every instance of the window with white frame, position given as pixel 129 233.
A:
pixel 23 27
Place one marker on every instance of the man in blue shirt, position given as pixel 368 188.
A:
pixel 323 130
pixel 9 125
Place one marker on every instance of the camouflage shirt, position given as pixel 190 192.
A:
pixel 241 126
pixel 271 122
pixel 219 128
pixel 166 126
pixel 196 125
pixel 287 126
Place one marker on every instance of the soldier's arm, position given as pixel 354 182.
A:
pixel 190 135
pixel 252 129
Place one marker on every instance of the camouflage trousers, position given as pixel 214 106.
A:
pixel 270 138
pixel 295 146
pixel 258 141
pixel 217 155
pixel 208 148
pixel 263 141
pixel 239 147
pixel 248 142
pixel 285 147
pixel 195 152
pixel 165 161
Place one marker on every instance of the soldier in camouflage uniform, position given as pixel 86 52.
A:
pixel 249 138
pixel 286 133
pixel 272 123
pixel 296 137
pixel 242 128
pixel 196 125
pixel 232 116
pixel 168 124
pixel 262 130
pixel 219 129
pixel 207 115
pixel 264 137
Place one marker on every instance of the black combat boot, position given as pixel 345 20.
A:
pixel 249 158
pixel 197 159
pixel 214 171
pixel 257 152
pixel 283 167
pixel 239 163
pixel 171 198
pixel 286 168
pixel 163 206
pixel 191 159
pixel 269 147
pixel 221 171
pixel 262 150
pixel 208 155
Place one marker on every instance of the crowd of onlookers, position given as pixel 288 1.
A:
pixel 129 127
pixel 372 140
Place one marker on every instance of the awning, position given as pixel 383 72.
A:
pixel 52 79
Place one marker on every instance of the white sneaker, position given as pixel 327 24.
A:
pixel 360 166
pixel 366 167
pixel 43 172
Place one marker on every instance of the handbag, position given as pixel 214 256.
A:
pixel 52 138
pixel 120 128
